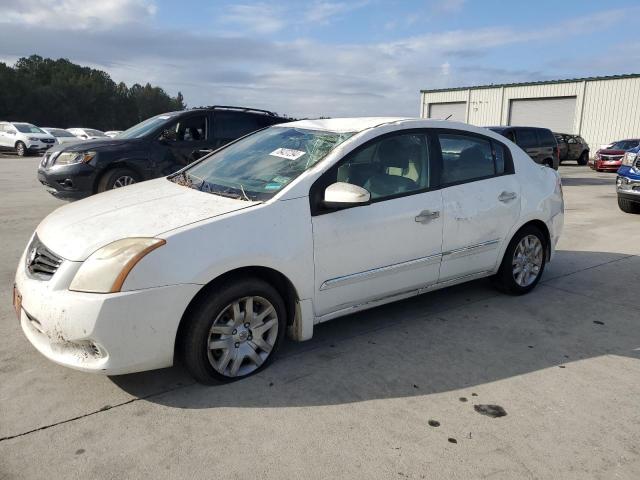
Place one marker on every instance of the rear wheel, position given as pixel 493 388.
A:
pixel 584 159
pixel 233 333
pixel 523 262
pixel 118 178
pixel 21 149
pixel 628 206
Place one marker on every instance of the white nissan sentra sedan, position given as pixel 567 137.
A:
pixel 288 227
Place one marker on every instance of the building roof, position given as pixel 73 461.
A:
pixel 542 82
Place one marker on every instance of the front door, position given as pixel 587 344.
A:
pixel 390 246
pixel 190 137
pixel 481 202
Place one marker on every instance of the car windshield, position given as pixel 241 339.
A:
pixel 624 145
pixel 27 128
pixel 260 165
pixel 58 132
pixel 143 128
pixel 94 133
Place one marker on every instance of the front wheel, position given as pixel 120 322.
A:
pixel 118 178
pixel 523 262
pixel 628 206
pixel 234 332
pixel 21 149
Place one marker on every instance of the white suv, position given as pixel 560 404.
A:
pixel 291 226
pixel 23 138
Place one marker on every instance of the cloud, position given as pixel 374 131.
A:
pixel 76 14
pixel 322 12
pixel 448 6
pixel 257 17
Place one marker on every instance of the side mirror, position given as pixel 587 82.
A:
pixel 168 135
pixel 344 195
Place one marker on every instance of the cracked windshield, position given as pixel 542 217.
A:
pixel 262 164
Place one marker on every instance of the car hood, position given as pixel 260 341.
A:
pixel 147 209
pixel 97 144
pixel 39 135
pixel 611 152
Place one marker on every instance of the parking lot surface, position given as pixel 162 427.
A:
pixel 394 392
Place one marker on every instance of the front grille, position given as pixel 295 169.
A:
pixel 610 158
pixel 41 262
pixel 48 140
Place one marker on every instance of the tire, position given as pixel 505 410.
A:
pixel 117 178
pixel 584 159
pixel 628 206
pixel 214 320
pixel 21 149
pixel 516 283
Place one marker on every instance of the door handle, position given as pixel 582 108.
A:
pixel 426 216
pixel 507 196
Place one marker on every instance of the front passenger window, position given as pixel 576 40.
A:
pixel 192 129
pixel 390 166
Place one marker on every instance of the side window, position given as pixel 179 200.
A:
pixel 526 138
pixel 501 158
pixel 509 134
pixel 228 126
pixel 465 158
pixel 192 129
pixel 389 166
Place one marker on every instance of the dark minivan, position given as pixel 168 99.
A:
pixel 153 148
pixel 539 143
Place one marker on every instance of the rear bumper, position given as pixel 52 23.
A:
pixel 112 334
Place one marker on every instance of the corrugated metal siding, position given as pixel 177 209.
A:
pixel 606 110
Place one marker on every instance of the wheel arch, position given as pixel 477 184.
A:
pixel 540 225
pixel 277 279
pixel 112 166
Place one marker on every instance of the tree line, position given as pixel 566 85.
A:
pixel 59 93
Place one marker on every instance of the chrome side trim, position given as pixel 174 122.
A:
pixel 471 249
pixel 380 271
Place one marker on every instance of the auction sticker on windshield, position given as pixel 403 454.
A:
pixel 287 153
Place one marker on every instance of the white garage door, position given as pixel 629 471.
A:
pixel 556 114
pixel 440 111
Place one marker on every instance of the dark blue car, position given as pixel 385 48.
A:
pixel 628 182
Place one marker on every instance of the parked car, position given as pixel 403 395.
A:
pixel 156 147
pixel 87 133
pixel 293 225
pixel 539 143
pixel 24 138
pixel 610 160
pixel 572 147
pixel 628 182
pixel 61 135
pixel 113 133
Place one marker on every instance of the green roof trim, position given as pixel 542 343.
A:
pixel 542 82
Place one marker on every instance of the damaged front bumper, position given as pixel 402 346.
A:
pixel 114 333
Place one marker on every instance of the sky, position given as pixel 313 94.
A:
pixel 326 58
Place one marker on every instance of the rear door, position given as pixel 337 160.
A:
pixel 231 125
pixel 481 201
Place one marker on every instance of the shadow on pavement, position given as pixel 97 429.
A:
pixel 457 338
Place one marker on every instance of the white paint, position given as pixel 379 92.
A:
pixel 207 236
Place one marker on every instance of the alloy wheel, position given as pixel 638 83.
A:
pixel 527 260
pixel 123 181
pixel 242 336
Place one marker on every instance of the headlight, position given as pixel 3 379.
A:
pixel 107 268
pixel 34 139
pixel 68 158
pixel 629 158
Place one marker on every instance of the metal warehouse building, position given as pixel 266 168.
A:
pixel 600 109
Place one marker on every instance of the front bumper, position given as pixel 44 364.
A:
pixel 608 165
pixel 68 182
pixel 113 334
pixel 628 184
pixel 38 146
